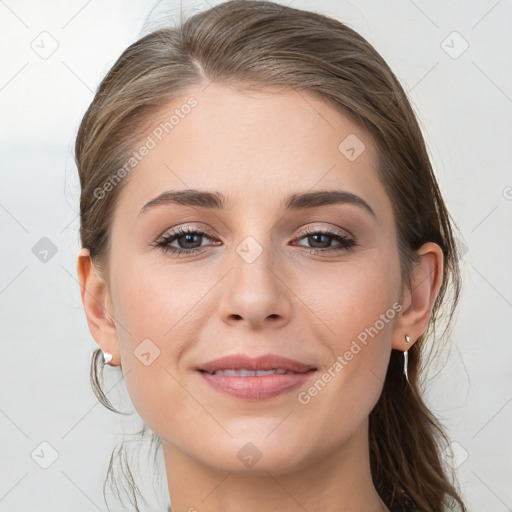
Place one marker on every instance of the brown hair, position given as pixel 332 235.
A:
pixel 260 43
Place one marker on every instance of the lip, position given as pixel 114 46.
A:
pixel 256 387
pixel 265 362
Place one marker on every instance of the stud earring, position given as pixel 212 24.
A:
pixel 406 358
pixel 107 358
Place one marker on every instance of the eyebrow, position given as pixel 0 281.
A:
pixel 297 201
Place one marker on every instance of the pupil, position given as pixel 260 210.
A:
pixel 188 238
pixel 315 237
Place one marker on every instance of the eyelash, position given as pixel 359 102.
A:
pixel 346 242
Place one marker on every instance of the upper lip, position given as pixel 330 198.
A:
pixel 265 362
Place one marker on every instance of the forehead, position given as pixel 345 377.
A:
pixel 253 146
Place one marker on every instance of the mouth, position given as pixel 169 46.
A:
pixel 245 365
pixel 255 378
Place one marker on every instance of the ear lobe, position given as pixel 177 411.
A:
pixel 97 305
pixel 418 302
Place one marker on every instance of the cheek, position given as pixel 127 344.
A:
pixel 155 301
pixel 347 298
pixel 159 308
pixel 355 310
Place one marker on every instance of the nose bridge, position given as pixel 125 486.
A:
pixel 255 288
pixel 254 261
pixel 253 236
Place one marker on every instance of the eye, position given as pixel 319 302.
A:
pixel 321 244
pixel 187 238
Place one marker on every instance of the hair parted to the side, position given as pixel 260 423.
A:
pixel 251 43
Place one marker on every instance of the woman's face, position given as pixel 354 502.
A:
pixel 255 279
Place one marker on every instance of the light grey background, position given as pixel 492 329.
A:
pixel 464 103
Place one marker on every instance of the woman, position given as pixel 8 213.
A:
pixel 265 255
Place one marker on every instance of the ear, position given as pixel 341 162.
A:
pixel 98 306
pixel 418 303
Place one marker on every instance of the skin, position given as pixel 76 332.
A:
pixel 257 148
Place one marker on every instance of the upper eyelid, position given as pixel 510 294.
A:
pixel 192 227
pixel 332 231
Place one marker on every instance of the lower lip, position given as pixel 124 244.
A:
pixel 257 387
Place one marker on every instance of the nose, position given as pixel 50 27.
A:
pixel 255 291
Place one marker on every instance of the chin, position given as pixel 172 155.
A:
pixel 253 457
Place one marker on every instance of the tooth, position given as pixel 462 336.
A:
pixel 226 372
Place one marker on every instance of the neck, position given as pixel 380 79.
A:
pixel 338 481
